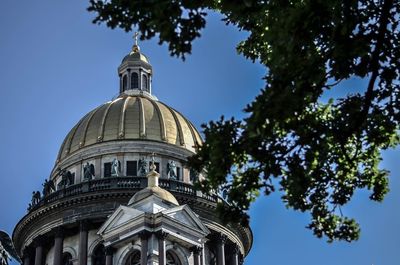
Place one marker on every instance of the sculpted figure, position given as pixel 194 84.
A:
pixel 88 171
pixel 48 187
pixel 171 170
pixel 142 167
pixel 116 168
pixel 35 198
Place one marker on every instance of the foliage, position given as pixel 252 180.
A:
pixel 317 153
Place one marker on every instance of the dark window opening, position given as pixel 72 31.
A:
pixel 133 259
pixel 99 255
pixel 144 83
pixel 172 258
pixel 131 168
pixel 107 169
pixel 67 258
pixel 178 173
pixel 134 80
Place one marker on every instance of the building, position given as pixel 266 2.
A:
pixel 120 192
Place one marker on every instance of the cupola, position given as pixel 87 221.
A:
pixel 135 72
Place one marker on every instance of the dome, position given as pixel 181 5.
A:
pixel 131 117
pixel 159 192
pixel 135 56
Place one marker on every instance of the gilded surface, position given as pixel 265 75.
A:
pixel 126 118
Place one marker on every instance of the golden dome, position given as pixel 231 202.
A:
pixel 157 191
pixel 131 117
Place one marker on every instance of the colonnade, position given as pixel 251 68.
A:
pixel 198 252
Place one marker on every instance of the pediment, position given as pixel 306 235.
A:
pixel 121 216
pixel 183 214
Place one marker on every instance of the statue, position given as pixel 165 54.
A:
pixel 48 187
pixel 67 179
pixel 88 171
pixel 171 170
pixel 7 249
pixel 142 167
pixel 115 168
pixel 35 198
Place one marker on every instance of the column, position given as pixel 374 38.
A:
pixel 58 246
pixel 83 243
pixel 26 257
pixel 129 80
pixel 109 255
pixel 38 251
pixel 235 257
pixel 197 255
pixel 144 235
pixel 221 249
pixel 162 258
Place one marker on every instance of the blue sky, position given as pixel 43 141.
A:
pixel 55 66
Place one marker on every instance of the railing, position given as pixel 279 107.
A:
pixel 124 183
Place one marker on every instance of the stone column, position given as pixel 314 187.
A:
pixel 83 243
pixel 38 251
pixel 197 255
pixel 128 86
pixel 144 235
pixel 221 249
pixel 109 255
pixel 235 257
pixel 162 259
pixel 26 257
pixel 58 245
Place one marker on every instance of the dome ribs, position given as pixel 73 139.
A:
pixel 103 121
pixel 192 131
pixel 83 138
pixel 142 120
pixel 178 124
pixel 73 134
pixel 121 129
pixel 161 119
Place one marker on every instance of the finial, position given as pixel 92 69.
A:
pixel 152 166
pixel 153 175
pixel 136 47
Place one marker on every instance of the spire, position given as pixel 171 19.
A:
pixel 153 175
pixel 135 47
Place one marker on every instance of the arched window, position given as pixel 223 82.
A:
pixel 172 259
pixel 124 82
pixel 99 255
pixel 134 80
pixel 133 259
pixel 66 258
pixel 145 83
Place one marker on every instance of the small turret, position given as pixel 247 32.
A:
pixel 135 71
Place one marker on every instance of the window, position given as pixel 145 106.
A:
pixel 131 168
pixel 134 80
pixel 124 83
pixel 133 259
pixel 144 83
pixel 107 169
pixel 66 259
pixel 99 255
pixel 172 259
pixel 178 173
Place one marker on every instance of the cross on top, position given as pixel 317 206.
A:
pixel 135 47
pixel 135 36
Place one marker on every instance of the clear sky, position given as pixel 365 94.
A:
pixel 55 66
